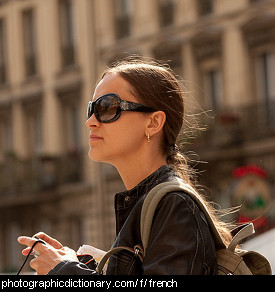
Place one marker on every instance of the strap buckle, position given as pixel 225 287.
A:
pixel 138 251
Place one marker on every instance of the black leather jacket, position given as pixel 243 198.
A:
pixel 180 242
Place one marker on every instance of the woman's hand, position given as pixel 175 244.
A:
pixel 50 254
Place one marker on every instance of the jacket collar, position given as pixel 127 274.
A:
pixel 125 201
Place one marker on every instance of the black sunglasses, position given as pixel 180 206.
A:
pixel 108 107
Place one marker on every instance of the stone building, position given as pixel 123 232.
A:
pixel 51 54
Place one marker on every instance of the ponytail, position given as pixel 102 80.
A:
pixel 177 161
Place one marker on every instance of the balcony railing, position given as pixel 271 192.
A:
pixel 23 178
pixel 233 126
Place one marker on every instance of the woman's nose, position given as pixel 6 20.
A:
pixel 92 122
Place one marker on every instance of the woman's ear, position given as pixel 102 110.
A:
pixel 156 123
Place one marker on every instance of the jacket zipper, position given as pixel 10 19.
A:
pixel 225 271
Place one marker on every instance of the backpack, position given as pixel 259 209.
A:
pixel 231 260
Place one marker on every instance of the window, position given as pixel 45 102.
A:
pixel 207 49
pixel 260 39
pixel 213 86
pixel 5 135
pixel 70 102
pixel 11 232
pixel 29 43
pixel 205 7
pixel 166 12
pixel 76 231
pixel 170 53
pixel 70 167
pixel 3 2
pixel 73 119
pixel 3 57
pixel 35 132
pixel 123 15
pixel 265 76
pixel 66 33
pixel 33 118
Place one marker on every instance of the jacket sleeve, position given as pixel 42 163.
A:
pixel 76 267
pixel 180 241
pixel 71 268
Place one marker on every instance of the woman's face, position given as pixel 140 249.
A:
pixel 122 139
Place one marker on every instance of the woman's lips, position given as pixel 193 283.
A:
pixel 93 137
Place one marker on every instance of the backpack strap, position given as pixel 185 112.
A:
pixel 137 251
pixel 155 195
pixel 147 212
pixel 241 233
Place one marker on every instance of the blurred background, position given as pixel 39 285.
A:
pixel 51 55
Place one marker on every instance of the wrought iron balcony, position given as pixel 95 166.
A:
pixel 233 126
pixel 20 178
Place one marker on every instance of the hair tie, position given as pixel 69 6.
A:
pixel 174 148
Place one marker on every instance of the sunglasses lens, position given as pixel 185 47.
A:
pixel 107 108
pixel 89 110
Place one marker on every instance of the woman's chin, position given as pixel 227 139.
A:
pixel 96 156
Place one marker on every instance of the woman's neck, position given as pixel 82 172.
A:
pixel 132 173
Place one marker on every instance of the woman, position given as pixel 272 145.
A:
pixel 135 119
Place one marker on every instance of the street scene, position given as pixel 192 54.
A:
pixel 52 54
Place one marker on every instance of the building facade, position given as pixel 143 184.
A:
pixel 51 54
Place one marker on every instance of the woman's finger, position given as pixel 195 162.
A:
pixel 26 251
pixel 50 240
pixel 29 241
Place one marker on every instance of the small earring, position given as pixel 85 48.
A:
pixel 148 138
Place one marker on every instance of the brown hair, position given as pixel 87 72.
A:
pixel 157 86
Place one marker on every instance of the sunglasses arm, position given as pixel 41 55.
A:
pixel 132 106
